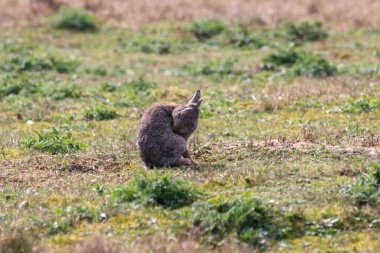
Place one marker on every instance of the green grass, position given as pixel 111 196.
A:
pixel 157 190
pixel 54 141
pixel 76 20
pixel 299 63
pixel 305 31
pixel 365 191
pixel 100 112
pixel 208 28
pixel 287 136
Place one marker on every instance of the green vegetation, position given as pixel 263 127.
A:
pixel 252 221
pixel 164 191
pixel 64 92
pixel 208 28
pixel 305 31
pixel 100 112
pixel 287 134
pixel 54 141
pixel 31 62
pixel 216 70
pixel 299 63
pixel 18 85
pixel 365 104
pixel 366 189
pixel 76 20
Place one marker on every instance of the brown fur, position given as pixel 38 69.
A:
pixel 164 131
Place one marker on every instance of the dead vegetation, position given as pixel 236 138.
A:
pixel 136 13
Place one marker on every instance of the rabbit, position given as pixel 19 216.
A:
pixel 164 131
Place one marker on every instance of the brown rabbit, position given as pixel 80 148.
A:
pixel 164 131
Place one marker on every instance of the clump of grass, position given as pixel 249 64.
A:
pixel 243 39
pixel 366 189
pixel 216 69
pixel 255 222
pixel 246 40
pixel 15 243
pixel 208 28
pixel 100 112
pixel 72 215
pixel 249 218
pixel 31 62
pixel 108 87
pixel 75 20
pixel 158 190
pixel 305 31
pixel 63 66
pixel 100 71
pixel 282 58
pixel 54 141
pixel 365 104
pixel 18 85
pixel 64 92
pixel 299 63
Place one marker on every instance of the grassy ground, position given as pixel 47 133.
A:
pixel 293 141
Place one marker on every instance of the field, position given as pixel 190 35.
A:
pixel 287 147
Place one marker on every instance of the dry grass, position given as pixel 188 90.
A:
pixel 344 13
pixel 161 243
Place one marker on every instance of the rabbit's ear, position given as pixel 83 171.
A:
pixel 195 99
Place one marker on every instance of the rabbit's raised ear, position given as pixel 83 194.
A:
pixel 196 100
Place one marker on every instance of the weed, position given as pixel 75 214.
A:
pixel 305 31
pixel 64 92
pixel 15 243
pixel 15 85
pixel 366 189
pixel 100 71
pixel 208 28
pixel 216 70
pixel 148 43
pixel 31 62
pixel 164 48
pixel 243 39
pixel 141 84
pixel 286 58
pixel 64 66
pixel 365 104
pixel 100 112
pixel 56 227
pixel 70 216
pixel 75 20
pixel 246 40
pixel 109 87
pixel 299 63
pixel 164 191
pixel 54 141
pixel 253 221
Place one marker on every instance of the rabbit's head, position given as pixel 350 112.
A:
pixel 185 118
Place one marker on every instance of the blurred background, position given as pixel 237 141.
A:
pixel 133 13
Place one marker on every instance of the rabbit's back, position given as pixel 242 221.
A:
pixel 158 145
